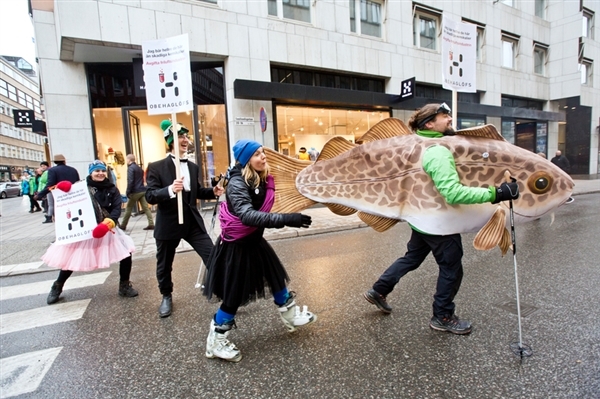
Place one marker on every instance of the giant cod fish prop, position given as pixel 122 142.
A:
pixel 382 179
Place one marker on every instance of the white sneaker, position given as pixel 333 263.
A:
pixel 218 346
pixel 293 317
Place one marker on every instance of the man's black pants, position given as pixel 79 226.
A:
pixel 447 251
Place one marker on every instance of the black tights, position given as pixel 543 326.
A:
pixel 124 271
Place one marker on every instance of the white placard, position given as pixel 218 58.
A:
pixel 167 75
pixel 459 56
pixel 74 217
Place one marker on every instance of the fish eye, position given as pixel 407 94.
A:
pixel 540 182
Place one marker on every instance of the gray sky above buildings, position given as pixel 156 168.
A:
pixel 16 31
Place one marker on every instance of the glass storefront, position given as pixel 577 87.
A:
pixel 312 127
pixel 527 134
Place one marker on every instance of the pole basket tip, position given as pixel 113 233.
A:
pixel 521 349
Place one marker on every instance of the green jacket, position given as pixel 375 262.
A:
pixel 438 163
pixel 32 186
pixel 43 181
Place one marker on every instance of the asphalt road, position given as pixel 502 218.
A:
pixel 120 348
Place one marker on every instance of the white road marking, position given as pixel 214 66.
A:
pixel 4 269
pixel 43 287
pixel 23 373
pixel 44 316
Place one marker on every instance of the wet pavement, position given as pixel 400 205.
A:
pixel 120 348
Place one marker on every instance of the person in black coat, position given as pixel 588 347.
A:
pixel 59 172
pixel 162 187
pixel 104 247
pixel 136 192
pixel 243 266
pixel 562 162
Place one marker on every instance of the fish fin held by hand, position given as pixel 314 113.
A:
pixel 505 243
pixel 387 128
pixel 334 147
pixel 377 223
pixel 284 171
pixel 341 210
pixel 491 233
pixel 486 131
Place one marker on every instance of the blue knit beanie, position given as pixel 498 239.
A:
pixel 96 165
pixel 244 149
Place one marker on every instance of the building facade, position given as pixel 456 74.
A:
pixel 293 73
pixel 20 148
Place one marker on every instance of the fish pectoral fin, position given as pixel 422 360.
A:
pixel 341 210
pixel 491 233
pixel 506 242
pixel 487 131
pixel 334 147
pixel 377 223
pixel 387 128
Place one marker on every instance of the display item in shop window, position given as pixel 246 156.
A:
pixel 303 155
pixel 387 178
pixel 313 154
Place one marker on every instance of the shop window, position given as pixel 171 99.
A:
pixel 585 69
pixel 321 79
pixel 518 102
pixel 508 131
pixel 510 44
pixel 369 14
pixel 425 28
pixel 588 23
pixel 465 122
pixel 540 55
pixel 311 127
pixel 540 8
pixel 298 10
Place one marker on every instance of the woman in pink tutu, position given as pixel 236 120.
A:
pixel 109 245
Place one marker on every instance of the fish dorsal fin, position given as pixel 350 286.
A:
pixel 491 234
pixel 506 242
pixel 387 128
pixel 486 131
pixel 334 147
pixel 341 210
pixel 377 223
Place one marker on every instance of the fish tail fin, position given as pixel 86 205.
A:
pixel 284 171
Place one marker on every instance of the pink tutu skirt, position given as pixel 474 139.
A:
pixel 91 254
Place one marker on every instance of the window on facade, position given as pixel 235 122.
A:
pixel 298 10
pixel 425 29
pixel 540 8
pixel 507 2
pixel 12 92
pixel 585 68
pixel 21 98
pixel 518 102
pixel 588 23
pixel 323 79
pixel 509 51
pixel 3 88
pixel 36 106
pixel 479 40
pixel 539 58
pixel 369 14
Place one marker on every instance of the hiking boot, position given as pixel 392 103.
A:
pixel 126 290
pixel 378 300
pixel 217 344
pixel 55 292
pixel 48 220
pixel 148 228
pixel 451 324
pixel 292 316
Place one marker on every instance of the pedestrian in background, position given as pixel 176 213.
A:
pixel 42 185
pixel 101 250
pixel 29 188
pixel 136 192
pixel 431 122
pixel 162 189
pixel 60 172
pixel 242 264
pixel 562 162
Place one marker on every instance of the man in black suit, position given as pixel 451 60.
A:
pixel 162 188
pixel 59 172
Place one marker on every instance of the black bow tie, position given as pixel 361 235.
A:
pixel 180 159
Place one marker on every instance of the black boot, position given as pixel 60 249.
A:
pixel 165 306
pixel 48 220
pixel 55 292
pixel 126 290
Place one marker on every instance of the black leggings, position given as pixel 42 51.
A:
pixel 124 271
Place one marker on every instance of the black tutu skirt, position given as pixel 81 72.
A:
pixel 240 272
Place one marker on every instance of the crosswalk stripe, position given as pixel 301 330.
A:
pixel 43 287
pixel 21 267
pixel 44 316
pixel 23 373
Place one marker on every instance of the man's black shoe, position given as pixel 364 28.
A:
pixel 451 324
pixel 378 300
pixel 165 306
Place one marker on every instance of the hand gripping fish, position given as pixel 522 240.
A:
pixel 384 181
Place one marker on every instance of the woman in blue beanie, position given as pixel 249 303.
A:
pixel 242 264
pixel 108 245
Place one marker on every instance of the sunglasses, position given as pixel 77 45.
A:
pixel 443 109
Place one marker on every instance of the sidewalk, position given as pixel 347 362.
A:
pixel 24 239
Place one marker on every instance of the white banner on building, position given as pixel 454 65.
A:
pixel 459 56
pixel 74 217
pixel 167 75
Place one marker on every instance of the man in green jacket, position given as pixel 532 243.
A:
pixel 31 191
pixel 434 121
pixel 42 185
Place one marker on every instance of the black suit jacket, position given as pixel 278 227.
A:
pixel 57 174
pixel 159 177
